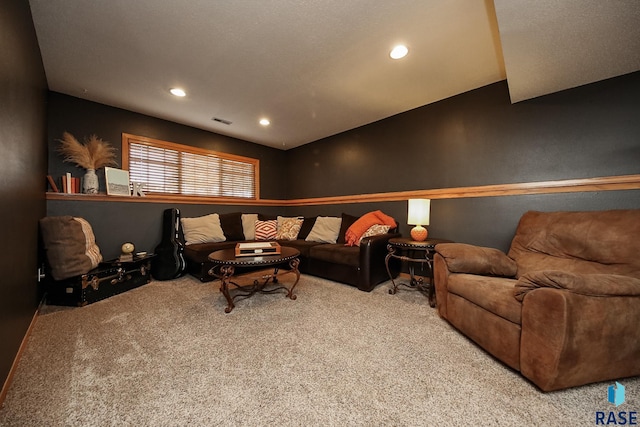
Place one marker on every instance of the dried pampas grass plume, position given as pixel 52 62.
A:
pixel 93 154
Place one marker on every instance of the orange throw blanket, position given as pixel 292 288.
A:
pixel 362 224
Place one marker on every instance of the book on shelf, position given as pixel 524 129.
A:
pixel 52 184
pixel 70 184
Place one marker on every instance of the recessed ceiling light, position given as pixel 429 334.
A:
pixel 178 92
pixel 265 122
pixel 399 51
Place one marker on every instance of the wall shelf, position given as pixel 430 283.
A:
pixel 607 183
pixel 194 200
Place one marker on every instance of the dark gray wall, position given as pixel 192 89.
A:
pixel 141 223
pixel 480 138
pixel 476 138
pixel 82 118
pixel 487 221
pixel 23 90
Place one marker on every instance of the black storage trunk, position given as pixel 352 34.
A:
pixel 108 279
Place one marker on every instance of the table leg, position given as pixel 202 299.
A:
pixel 392 251
pixel 294 269
pixel 431 295
pixel 432 285
pixel 226 272
pixel 419 282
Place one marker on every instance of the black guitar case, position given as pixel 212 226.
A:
pixel 169 261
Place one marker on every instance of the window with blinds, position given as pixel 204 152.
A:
pixel 169 168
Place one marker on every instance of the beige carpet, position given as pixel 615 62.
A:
pixel 166 354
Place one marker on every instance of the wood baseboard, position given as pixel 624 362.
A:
pixel 14 365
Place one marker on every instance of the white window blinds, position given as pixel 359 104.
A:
pixel 168 168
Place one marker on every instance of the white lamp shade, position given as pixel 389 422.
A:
pixel 419 211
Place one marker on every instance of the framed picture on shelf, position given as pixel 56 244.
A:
pixel 117 182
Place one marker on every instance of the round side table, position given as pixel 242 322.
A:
pixel 414 254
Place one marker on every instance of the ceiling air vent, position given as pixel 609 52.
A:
pixel 219 120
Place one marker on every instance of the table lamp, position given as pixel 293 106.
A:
pixel 419 216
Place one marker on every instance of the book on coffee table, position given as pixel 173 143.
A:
pixel 257 248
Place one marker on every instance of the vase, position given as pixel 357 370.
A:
pixel 90 182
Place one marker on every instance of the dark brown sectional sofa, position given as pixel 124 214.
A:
pixel 361 266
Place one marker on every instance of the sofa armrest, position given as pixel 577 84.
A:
pixel 570 339
pixel 373 251
pixel 470 259
pixel 601 285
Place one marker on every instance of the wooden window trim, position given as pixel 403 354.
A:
pixel 127 139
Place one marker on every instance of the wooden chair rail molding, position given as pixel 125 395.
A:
pixel 608 183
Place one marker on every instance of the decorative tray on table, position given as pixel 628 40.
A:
pixel 257 248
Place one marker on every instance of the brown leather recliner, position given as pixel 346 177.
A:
pixel 563 307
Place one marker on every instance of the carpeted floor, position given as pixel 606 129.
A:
pixel 166 354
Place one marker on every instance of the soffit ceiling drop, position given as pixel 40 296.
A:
pixel 313 68
pixel 552 45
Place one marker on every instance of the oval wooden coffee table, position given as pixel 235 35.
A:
pixel 225 264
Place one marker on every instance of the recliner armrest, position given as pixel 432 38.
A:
pixel 600 285
pixel 569 339
pixel 470 259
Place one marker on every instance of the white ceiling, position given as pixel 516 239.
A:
pixel 319 67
